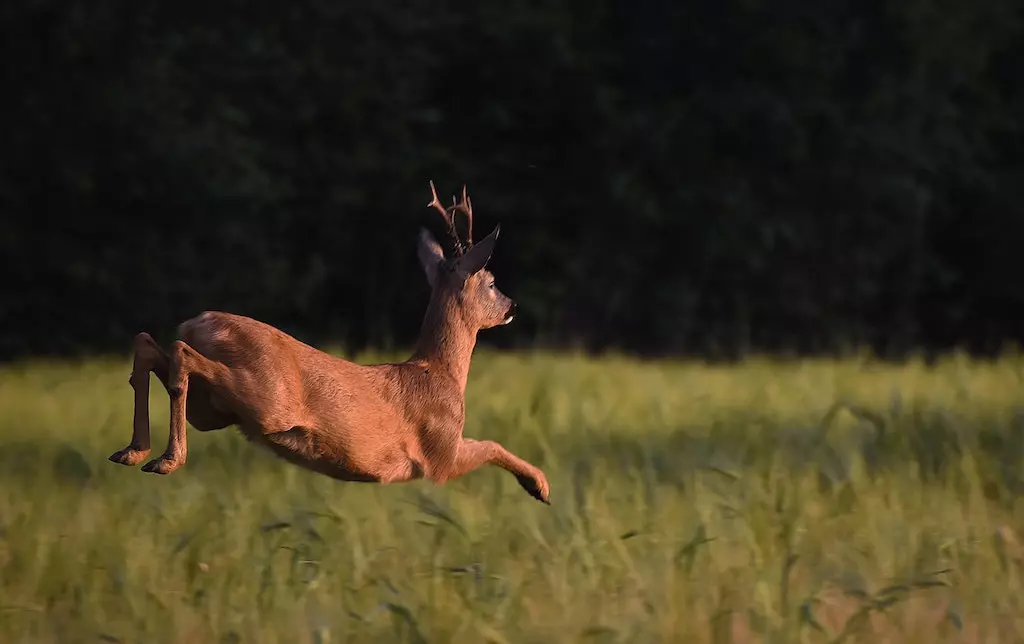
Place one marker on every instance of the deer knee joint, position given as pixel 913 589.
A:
pixel 145 347
pixel 178 349
pixel 139 378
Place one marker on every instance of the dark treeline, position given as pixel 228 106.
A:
pixel 700 177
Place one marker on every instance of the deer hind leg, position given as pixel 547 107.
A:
pixel 184 364
pixel 473 454
pixel 148 357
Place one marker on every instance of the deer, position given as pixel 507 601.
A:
pixel 381 423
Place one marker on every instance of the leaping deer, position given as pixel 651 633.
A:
pixel 381 423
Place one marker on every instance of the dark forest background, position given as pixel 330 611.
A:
pixel 705 177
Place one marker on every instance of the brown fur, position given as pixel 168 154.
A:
pixel 380 423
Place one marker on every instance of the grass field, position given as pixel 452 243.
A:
pixel 812 501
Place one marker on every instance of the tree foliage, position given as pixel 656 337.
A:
pixel 700 177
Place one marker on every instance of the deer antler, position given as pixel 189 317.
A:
pixel 449 218
pixel 465 207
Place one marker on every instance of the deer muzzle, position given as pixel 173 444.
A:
pixel 511 313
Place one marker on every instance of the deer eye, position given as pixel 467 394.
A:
pixel 491 286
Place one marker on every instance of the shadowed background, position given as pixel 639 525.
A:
pixel 672 178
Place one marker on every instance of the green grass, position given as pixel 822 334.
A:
pixel 811 501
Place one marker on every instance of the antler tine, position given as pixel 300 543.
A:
pixel 466 208
pixel 449 218
pixel 436 203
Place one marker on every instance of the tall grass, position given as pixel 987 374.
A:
pixel 813 501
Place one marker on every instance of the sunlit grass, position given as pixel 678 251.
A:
pixel 771 501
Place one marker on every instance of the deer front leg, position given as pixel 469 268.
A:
pixel 184 362
pixel 472 454
pixel 148 357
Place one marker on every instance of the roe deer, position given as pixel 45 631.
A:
pixel 380 423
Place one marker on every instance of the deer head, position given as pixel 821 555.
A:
pixel 462 278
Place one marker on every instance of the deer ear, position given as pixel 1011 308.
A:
pixel 430 254
pixel 478 255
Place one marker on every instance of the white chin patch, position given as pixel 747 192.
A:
pixel 508 319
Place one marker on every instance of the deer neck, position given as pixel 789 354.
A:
pixel 446 340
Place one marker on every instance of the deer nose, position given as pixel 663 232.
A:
pixel 511 313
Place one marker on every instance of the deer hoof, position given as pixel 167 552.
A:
pixel 128 456
pixel 162 465
pixel 535 487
